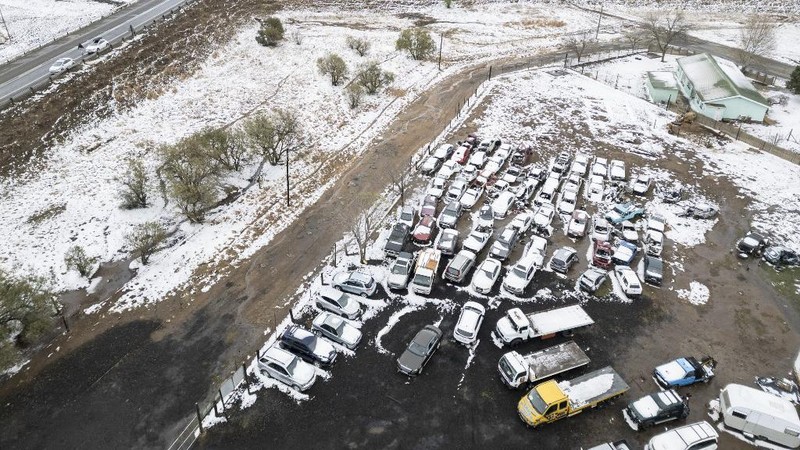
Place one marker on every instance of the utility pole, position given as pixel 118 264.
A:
pixel 597 33
pixel 287 178
pixel 5 25
pixel 441 41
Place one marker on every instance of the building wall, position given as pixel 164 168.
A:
pixel 660 95
pixel 726 109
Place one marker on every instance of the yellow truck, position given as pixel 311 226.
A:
pixel 551 400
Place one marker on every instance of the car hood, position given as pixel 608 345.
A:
pixel 303 373
pixel 482 281
pixel 671 371
pixel 410 361
pixel 630 235
pixel 499 248
pixel 644 408
pixel 541 220
pixel 575 227
pixel 351 335
pixel 504 327
pixel 396 279
pixel 515 282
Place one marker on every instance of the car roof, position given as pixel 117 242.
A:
pixel 360 276
pixel 280 355
pixel 330 292
pixel 688 434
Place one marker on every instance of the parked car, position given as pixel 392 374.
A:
pixel 478 159
pixel 458 268
pixel 537 245
pixel 616 170
pixel 461 155
pixel 448 218
pixel 595 190
pixel 592 279
pixel 469 322
pixel 700 211
pixel 628 280
pixel 337 302
pixel 616 445
pixel 600 167
pixel 468 173
pixel 437 187
pixel 471 197
pixel 97 45
pixel 602 254
pixel 336 329
pixel 456 190
pixel 522 155
pixel 62 65
pixel 577 224
pixel 522 221
pixel 561 163
pixel 444 151
pixel 504 243
pixel 569 200
pixel 601 229
pixel 628 231
pixel 497 188
pixel 753 244
pixel 407 216
pixel 485 218
pixel 476 241
pixel 563 259
pixel 419 351
pixel 520 275
pixel 655 409
pixel 684 372
pixel 624 211
pixel 641 185
pixel 431 165
pixel 448 241
pixel 358 283
pixel 287 368
pixel 397 239
pixel 657 222
pixel 448 169
pixel 486 275
pixel 544 217
pixel 653 270
pixel 624 252
pixel 424 231
pixel 428 206
pixel 502 204
pixel 400 271
pixel 669 194
pixel 781 256
pixel 306 345
pixel 697 436
pixel 654 242
pixel 513 174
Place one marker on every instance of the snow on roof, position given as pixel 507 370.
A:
pixel 581 393
pixel 662 80
pixel 717 78
pixel 556 320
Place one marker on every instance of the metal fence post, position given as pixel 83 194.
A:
pixel 222 401
pixel 199 418
pixel 246 378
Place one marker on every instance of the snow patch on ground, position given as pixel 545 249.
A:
pixel 697 294
pixel 393 319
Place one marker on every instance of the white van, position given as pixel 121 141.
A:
pixel 758 414
pixel 548 192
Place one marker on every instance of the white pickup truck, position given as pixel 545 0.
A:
pixel 517 369
pixel 515 327
pixel 425 273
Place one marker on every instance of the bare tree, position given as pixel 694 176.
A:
pixel 191 176
pixel 633 37
pixel 372 77
pixel 399 184
pixel 579 45
pixel 756 38
pixel 362 226
pixel 354 93
pixel 273 136
pixel 359 45
pixel 134 185
pixel 334 66
pixel 664 29
pixel 145 239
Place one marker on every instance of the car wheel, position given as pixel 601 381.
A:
pixel 296 387
pixel 363 294
pixel 515 342
pixel 338 288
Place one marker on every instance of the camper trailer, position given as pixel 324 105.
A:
pixel 760 415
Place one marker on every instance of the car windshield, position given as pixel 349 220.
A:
pixel 536 401
pixel 506 369
pixel 292 366
pixel 400 268
pixel 422 280
pixel 416 348
pixel 488 271
pixel 519 271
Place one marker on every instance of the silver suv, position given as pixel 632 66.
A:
pixel 287 368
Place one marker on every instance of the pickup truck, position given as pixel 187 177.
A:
pixel 550 401
pixel 425 273
pixel 684 371
pixel 516 369
pixel 515 327
pixel 397 239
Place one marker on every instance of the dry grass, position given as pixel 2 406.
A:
pixel 538 23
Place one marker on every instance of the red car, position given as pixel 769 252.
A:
pixel 602 254
pixel 428 206
pixel 424 231
pixel 461 155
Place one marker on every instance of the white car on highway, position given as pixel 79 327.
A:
pixel 97 45
pixel 469 322
pixel 62 65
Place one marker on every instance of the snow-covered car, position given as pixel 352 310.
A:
pixel 337 302
pixel 700 211
pixel 502 154
pixel 469 323
pixel 437 187
pixel 97 45
pixel 431 165
pixel 522 221
pixel 577 224
pixel 592 279
pixel 602 254
pixel 700 436
pixel 580 165
pixel 449 168
pixel 513 174
pixel 669 194
pixel 655 409
pixel 407 216
pixel 419 350
pixel 595 190
pixel 428 207
pixel 563 259
pixel 424 231
pixel 497 188
pixel 308 346
pixel 501 206
pixel 358 283
pixel 624 252
pixel 522 154
pixel 624 211
pixel 616 170
pixel 504 243
pixel 448 241
pixel 525 190
pixel 397 239
pixel 471 197
pixel 684 372
pixel 336 329
pixel 461 155
pixel 657 222
pixel 444 151
pixel 458 267
pixel 62 65
pixel 600 167
pixel 779 255
pixel 628 231
pixel 400 271
pixel 561 162
pixel 601 229
pixel 752 244
pixel 468 174
pixel 616 445
pixel 544 216
pixel 641 185
pixel 486 275
pixel 478 159
pixel 485 218
pixel 654 242
pixel 537 245
pixel 287 368
pixel 456 190
pixel 476 241
pixel 573 183
pixel 520 275
pixel 448 218
pixel 569 200
pixel 628 280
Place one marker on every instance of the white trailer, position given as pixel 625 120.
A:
pixel 517 369
pixel 515 327
pixel 759 415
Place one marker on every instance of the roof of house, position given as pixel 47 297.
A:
pixel 662 80
pixel 717 78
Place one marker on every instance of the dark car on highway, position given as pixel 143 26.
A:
pixel 419 350
pixel 307 346
pixel 656 408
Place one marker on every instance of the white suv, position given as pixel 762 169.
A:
pixel 696 436
pixel 469 322
pixel 628 280
pixel 287 368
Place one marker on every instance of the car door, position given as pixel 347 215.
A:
pixel 279 372
pixel 431 349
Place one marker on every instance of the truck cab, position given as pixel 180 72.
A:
pixel 514 326
pixel 544 403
